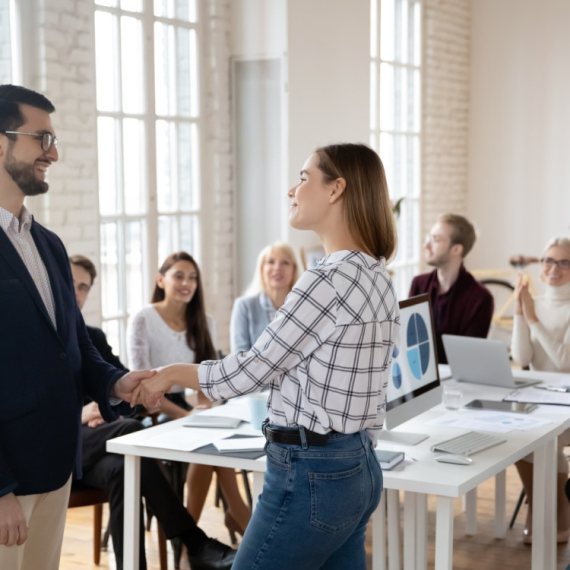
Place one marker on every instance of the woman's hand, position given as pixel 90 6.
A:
pixel 528 307
pixel 150 391
pixel 518 289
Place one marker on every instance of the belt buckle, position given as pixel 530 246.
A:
pixel 264 425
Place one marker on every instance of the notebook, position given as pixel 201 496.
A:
pixel 199 420
pixel 389 459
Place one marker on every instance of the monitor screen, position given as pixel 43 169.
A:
pixel 414 360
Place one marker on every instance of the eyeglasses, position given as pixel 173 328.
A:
pixel 434 238
pixel 563 264
pixel 47 139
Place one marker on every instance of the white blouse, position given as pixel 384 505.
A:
pixel 151 343
pixel 546 344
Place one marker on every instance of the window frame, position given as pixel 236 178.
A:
pixel 404 269
pixel 149 118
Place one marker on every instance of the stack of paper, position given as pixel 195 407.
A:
pixel 182 439
pixel 480 420
pixel 240 444
pixel 534 395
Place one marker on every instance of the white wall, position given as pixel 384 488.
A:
pixel 329 80
pixel 519 165
pixel 259 28
pixel 259 103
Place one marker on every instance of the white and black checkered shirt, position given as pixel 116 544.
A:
pixel 326 354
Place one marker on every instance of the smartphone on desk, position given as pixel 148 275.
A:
pixel 492 405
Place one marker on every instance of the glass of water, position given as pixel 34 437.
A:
pixel 451 396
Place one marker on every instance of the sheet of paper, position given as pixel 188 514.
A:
pixel 184 439
pixel 238 408
pixel 240 444
pixel 482 420
pixel 537 396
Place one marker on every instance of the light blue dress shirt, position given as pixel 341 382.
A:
pixel 250 317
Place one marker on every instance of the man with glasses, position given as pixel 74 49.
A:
pixel 47 362
pixel 461 305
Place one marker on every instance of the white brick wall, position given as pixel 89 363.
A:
pixel 218 259
pixel 5 47
pixel 63 69
pixel 66 74
pixel 447 44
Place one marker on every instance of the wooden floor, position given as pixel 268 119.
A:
pixel 481 551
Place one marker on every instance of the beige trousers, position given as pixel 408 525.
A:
pixel 46 521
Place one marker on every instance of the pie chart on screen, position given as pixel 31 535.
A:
pixel 396 370
pixel 418 346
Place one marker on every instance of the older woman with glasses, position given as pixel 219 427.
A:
pixel 541 340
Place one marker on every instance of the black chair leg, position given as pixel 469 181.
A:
pixel 517 508
pixel 106 535
pixel 247 488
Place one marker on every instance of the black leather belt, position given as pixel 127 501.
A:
pixel 292 436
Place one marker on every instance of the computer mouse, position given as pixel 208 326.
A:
pixel 452 458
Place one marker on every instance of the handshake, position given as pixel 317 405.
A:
pixel 147 387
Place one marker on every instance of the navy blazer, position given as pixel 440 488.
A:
pixel 44 373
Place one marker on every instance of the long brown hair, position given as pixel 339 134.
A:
pixel 367 209
pixel 197 333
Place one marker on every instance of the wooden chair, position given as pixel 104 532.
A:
pixel 85 496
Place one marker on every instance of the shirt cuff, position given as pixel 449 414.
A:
pixel 207 389
pixel 114 401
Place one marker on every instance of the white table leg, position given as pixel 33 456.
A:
pixel 132 512
pixel 444 534
pixel 421 531
pixel 501 504
pixel 471 512
pixel 393 500
pixel 379 535
pixel 409 530
pixel 544 508
pixel 258 480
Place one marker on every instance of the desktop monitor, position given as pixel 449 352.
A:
pixel 413 385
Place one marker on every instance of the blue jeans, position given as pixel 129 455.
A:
pixel 315 505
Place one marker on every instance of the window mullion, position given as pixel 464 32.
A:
pixel 152 212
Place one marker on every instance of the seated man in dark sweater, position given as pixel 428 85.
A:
pixel 104 470
pixel 461 305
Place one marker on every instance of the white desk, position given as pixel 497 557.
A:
pixel 418 480
pixel 127 446
pixel 426 476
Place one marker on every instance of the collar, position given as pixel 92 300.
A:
pixel 8 220
pixel 351 255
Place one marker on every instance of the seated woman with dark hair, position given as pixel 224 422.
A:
pixel 541 339
pixel 175 328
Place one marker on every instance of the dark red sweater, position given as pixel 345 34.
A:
pixel 466 309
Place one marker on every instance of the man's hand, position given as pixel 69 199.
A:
pixel 125 386
pixel 91 415
pixel 151 390
pixel 13 524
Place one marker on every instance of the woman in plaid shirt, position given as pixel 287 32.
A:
pixel 326 358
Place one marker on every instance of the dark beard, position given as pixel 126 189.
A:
pixel 23 175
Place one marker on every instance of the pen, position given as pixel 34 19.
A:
pixel 554 389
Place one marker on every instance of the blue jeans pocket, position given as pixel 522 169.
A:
pixel 336 499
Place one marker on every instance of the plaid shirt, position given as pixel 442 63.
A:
pixel 327 353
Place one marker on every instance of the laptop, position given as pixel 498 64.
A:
pixel 481 360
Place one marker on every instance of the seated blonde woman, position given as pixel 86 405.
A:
pixel 275 274
pixel 541 340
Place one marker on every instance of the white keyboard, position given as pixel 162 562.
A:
pixel 468 444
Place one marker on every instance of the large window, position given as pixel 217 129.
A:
pixel 148 130
pixel 395 120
